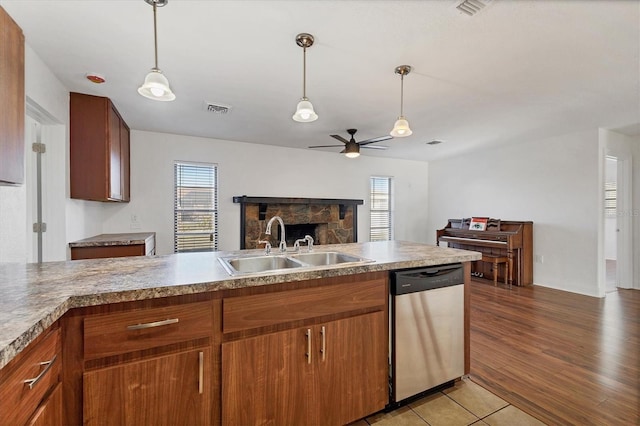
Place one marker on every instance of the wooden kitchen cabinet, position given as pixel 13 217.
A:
pixel 166 390
pixel 325 374
pixel 154 365
pixel 307 356
pixel 30 384
pixel 12 107
pixel 99 150
pixel 114 245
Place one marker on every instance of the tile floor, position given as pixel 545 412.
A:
pixel 464 404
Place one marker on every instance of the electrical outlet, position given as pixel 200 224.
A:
pixel 539 258
pixel 134 222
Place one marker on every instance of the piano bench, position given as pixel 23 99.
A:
pixel 497 260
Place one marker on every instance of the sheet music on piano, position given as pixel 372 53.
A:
pixel 512 239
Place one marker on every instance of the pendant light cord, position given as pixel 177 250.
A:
pixel 304 73
pixel 401 94
pixel 155 35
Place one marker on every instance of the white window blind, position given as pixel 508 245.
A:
pixel 381 227
pixel 195 214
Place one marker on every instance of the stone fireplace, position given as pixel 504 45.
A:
pixel 328 221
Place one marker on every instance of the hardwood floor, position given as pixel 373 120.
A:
pixel 564 358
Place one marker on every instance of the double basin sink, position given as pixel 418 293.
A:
pixel 238 265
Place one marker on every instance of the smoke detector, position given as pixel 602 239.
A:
pixel 472 7
pixel 217 108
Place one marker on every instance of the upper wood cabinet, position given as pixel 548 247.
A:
pixel 12 106
pixel 99 150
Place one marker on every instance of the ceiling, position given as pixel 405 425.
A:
pixel 516 71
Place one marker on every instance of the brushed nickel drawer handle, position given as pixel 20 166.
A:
pixel 324 343
pixel 308 334
pixel 32 382
pixel 152 324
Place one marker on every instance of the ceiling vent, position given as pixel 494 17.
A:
pixel 471 7
pixel 217 108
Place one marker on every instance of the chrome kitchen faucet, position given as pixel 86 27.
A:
pixel 283 241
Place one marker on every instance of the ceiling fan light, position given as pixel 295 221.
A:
pixel 352 150
pixel 304 112
pixel 156 87
pixel 401 128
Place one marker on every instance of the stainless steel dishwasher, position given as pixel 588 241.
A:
pixel 427 329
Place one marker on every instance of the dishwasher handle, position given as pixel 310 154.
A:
pixel 422 279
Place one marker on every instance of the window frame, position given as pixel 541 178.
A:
pixel 389 194
pixel 210 182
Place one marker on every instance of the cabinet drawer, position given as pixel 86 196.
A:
pixel 261 310
pixel 26 384
pixel 122 332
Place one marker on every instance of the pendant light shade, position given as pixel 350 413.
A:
pixel 401 127
pixel 304 111
pixel 156 85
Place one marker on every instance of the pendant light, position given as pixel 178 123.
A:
pixel 156 85
pixel 401 127
pixel 304 111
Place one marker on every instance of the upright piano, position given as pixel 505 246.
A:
pixel 512 239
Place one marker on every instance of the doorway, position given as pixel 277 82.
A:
pixel 45 182
pixel 611 223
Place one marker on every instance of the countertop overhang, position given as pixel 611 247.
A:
pixel 34 296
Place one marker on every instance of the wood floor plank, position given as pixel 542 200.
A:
pixel 562 357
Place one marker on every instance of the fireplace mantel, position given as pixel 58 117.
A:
pixel 288 200
pixel 253 214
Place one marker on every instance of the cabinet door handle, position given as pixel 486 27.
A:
pixel 201 372
pixel 152 324
pixel 323 350
pixel 308 346
pixel 32 382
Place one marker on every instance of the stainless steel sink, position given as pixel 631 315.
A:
pixel 240 265
pixel 246 265
pixel 326 258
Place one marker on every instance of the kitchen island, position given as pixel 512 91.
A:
pixel 83 300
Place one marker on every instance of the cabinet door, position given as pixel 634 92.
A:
pixel 352 366
pixel 124 161
pixel 12 104
pixel 50 411
pixel 167 390
pixel 267 380
pixel 115 171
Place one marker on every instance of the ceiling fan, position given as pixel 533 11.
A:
pixel 351 147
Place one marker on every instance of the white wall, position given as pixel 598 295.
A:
pixel 552 182
pixel 259 170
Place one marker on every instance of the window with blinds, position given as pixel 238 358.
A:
pixel 195 213
pixel 610 198
pixel 381 228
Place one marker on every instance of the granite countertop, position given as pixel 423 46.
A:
pixel 35 296
pixel 104 240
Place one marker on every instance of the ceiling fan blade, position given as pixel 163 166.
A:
pixel 325 146
pixel 343 151
pixel 381 147
pixel 340 138
pixel 378 139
